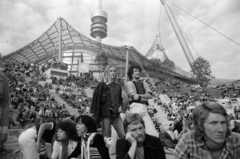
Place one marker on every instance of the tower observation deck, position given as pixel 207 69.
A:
pixel 99 19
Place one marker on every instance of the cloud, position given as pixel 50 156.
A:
pixel 135 23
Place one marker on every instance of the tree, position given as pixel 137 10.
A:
pixel 168 66
pixel 102 60
pixel 156 64
pixel 201 70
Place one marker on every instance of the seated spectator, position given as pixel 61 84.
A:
pixel 211 137
pixel 236 127
pixel 90 143
pixel 66 140
pixel 138 144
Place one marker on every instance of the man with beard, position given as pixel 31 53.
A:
pixel 137 144
pixel 139 94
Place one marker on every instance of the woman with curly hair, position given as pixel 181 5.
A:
pixel 66 140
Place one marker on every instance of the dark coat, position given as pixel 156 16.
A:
pixel 153 148
pixel 101 102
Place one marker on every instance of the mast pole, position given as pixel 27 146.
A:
pixel 178 33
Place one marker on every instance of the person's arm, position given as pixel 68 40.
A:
pixel 125 101
pixel 121 153
pixel 182 149
pixel 42 129
pixel 131 92
pixel 55 152
pixel 130 89
pixel 148 91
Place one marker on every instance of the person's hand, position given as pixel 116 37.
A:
pixel 129 138
pixel 38 146
pixel 135 97
pixel 123 116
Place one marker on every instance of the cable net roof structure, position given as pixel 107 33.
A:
pixel 74 46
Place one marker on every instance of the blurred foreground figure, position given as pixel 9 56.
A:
pixel 4 104
pixel 211 137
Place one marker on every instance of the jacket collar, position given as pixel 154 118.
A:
pixel 149 142
pixel 104 85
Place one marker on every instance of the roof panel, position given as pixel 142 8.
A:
pixel 48 45
pixel 107 51
pixel 87 43
pixel 40 52
pixel 96 46
pixel 76 39
pixel 45 42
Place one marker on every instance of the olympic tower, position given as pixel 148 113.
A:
pixel 99 19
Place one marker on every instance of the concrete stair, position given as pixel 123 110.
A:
pixel 57 98
pixel 11 144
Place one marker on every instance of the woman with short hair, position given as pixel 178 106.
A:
pixel 90 143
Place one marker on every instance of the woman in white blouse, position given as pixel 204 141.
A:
pixel 66 140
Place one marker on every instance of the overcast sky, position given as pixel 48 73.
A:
pixel 134 22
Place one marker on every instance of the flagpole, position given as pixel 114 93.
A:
pixel 53 57
pixel 127 63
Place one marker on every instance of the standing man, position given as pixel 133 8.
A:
pixel 4 106
pixel 137 144
pixel 211 137
pixel 139 94
pixel 107 98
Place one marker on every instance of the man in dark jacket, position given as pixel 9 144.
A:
pixel 137 144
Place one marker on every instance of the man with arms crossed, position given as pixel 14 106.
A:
pixel 211 137
pixel 139 94
pixel 137 144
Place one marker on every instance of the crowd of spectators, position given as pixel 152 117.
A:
pixel 33 103
pixel 29 98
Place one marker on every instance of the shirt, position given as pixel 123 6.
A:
pixel 116 93
pixel 189 148
pixel 57 149
pixel 139 153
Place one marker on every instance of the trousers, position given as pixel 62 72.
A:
pixel 141 109
pixel 114 120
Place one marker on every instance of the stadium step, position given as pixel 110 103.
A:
pixel 57 98
pixel 12 141
pixel 11 144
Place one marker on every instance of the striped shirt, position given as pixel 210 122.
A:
pixel 189 148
